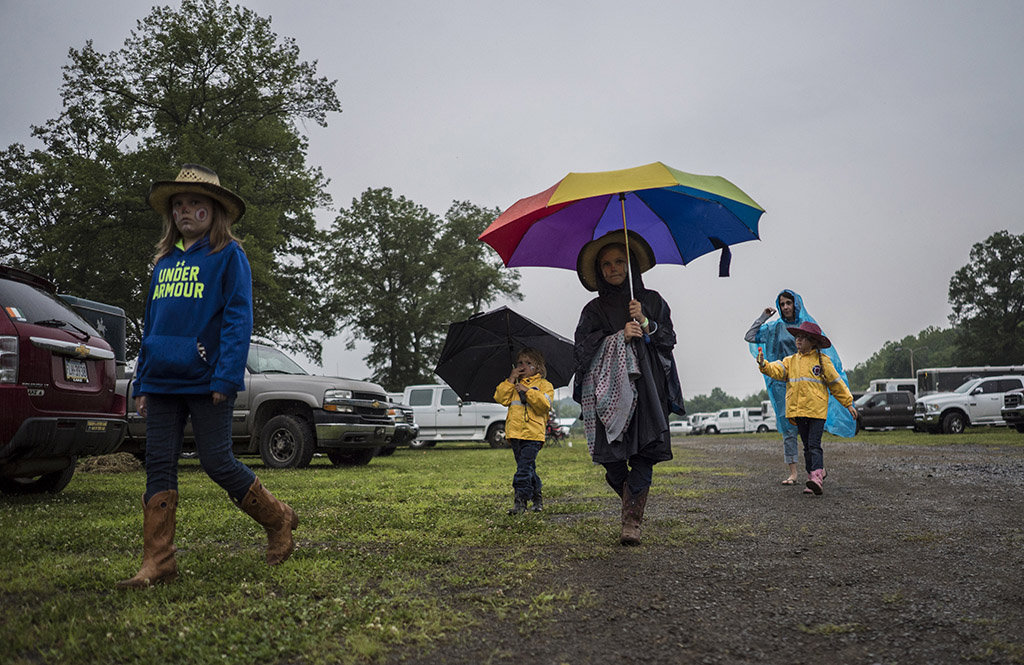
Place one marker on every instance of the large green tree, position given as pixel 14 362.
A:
pixel 987 296
pixel 400 274
pixel 207 83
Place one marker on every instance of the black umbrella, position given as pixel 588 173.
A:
pixel 480 352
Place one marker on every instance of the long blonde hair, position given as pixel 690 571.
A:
pixel 220 232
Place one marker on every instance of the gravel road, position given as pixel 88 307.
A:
pixel 914 554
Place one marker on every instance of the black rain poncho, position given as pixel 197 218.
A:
pixel 658 391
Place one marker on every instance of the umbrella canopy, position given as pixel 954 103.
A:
pixel 480 352
pixel 682 216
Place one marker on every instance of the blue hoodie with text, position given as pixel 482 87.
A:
pixel 198 322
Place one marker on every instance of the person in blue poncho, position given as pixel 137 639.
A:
pixel 195 343
pixel 777 343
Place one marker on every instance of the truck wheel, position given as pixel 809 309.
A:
pixel 352 457
pixel 761 429
pixel 711 429
pixel 954 423
pixel 286 442
pixel 386 451
pixel 48 482
pixel 1020 428
pixel 496 436
pixel 418 443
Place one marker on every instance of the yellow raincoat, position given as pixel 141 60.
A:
pixel 526 421
pixel 808 384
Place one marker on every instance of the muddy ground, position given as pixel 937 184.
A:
pixel 914 554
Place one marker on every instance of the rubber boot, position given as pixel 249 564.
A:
pixel 158 522
pixel 538 502
pixel 519 507
pixel 815 481
pixel 276 517
pixel 632 515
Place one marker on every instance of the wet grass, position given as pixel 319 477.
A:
pixel 404 551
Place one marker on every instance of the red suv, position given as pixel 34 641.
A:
pixel 57 388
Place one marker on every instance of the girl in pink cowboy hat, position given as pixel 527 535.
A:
pixel 810 377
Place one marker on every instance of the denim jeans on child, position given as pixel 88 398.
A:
pixel 526 482
pixel 165 427
pixel 811 430
pixel 638 472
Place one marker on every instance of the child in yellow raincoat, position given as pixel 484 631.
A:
pixel 809 377
pixel 528 396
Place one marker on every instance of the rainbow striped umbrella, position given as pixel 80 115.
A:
pixel 681 215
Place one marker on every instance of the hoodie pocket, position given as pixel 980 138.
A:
pixel 172 357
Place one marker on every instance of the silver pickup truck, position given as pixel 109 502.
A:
pixel 286 415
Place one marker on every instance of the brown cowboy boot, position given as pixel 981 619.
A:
pixel 632 515
pixel 277 519
pixel 158 522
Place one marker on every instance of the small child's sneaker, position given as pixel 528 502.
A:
pixel 815 480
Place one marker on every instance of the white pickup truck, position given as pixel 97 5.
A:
pixel 442 416
pixel 976 402
pixel 736 420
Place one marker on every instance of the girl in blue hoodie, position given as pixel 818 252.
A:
pixel 195 343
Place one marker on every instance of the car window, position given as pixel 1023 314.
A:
pixel 901 398
pixel 987 387
pixel 449 397
pixel 1007 385
pixel 268 360
pixel 420 397
pixel 909 387
pixel 25 303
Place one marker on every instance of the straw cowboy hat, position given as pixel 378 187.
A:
pixel 586 261
pixel 198 180
pixel 811 330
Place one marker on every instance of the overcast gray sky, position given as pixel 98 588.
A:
pixel 882 138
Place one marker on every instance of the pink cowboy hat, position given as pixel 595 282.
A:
pixel 813 331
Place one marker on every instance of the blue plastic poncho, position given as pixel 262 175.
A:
pixel 778 343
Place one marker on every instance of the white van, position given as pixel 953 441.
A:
pixel 887 385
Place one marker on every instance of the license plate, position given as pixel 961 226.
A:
pixel 76 370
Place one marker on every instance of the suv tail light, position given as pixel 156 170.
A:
pixel 8 359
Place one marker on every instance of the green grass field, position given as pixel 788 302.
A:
pixel 403 551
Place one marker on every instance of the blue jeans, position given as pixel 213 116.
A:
pixel 526 482
pixel 789 445
pixel 211 424
pixel 638 472
pixel 811 430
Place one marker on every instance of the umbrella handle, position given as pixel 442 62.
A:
pixel 625 235
pixel 629 268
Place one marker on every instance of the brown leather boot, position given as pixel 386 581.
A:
pixel 158 522
pixel 276 517
pixel 632 515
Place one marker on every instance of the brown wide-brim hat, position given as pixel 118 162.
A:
pixel 811 330
pixel 197 180
pixel 586 260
